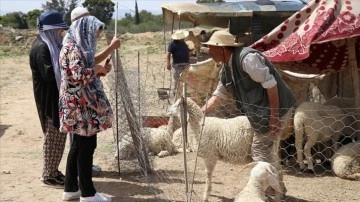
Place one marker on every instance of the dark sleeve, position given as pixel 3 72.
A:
pixel 171 47
pixel 43 59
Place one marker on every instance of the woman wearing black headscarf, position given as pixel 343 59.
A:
pixel 44 63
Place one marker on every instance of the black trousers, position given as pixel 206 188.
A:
pixel 79 164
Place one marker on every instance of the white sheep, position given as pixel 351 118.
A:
pixel 177 140
pixel 315 123
pixel 264 177
pixel 228 140
pixel 345 163
pixel 287 150
pixel 157 141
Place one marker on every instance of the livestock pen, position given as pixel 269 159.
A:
pixel 145 72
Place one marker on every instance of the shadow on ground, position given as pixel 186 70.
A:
pixel 3 128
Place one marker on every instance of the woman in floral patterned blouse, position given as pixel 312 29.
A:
pixel 84 109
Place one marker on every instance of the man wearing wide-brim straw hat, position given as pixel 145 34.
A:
pixel 258 90
pixel 178 50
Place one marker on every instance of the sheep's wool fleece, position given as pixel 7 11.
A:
pixel 345 163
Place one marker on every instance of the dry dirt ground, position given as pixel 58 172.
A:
pixel 21 142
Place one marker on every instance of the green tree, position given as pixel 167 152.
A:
pixel 148 16
pixel 16 20
pixel 128 16
pixel 63 6
pixel 55 5
pixel 32 17
pixel 149 22
pixel 102 9
pixel 137 16
pixel 70 5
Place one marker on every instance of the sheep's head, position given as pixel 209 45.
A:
pixel 175 108
pixel 192 108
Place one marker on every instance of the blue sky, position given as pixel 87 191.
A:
pixel 25 6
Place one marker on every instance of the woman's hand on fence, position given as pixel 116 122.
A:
pixel 115 43
pixel 100 70
pixel 108 67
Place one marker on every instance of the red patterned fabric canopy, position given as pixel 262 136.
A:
pixel 313 40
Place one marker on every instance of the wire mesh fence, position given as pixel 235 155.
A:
pixel 319 131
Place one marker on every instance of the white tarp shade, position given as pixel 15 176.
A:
pixel 230 14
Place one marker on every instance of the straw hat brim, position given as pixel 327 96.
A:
pixel 222 45
pixel 176 35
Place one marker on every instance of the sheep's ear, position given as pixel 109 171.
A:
pixel 249 165
pixel 178 102
pixel 275 184
pixel 173 111
pixel 174 108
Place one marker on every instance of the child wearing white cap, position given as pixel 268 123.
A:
pixel 78 13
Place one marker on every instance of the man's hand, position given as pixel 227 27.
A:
pixel 213 103
pixel 274 124
pixel 168 66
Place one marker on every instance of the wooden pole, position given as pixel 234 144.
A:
pixel 355 78
pixel 116 18
pixel 164 32
pixel 354 70
pixel 116 93
pixel 139 83
pixel 183 114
